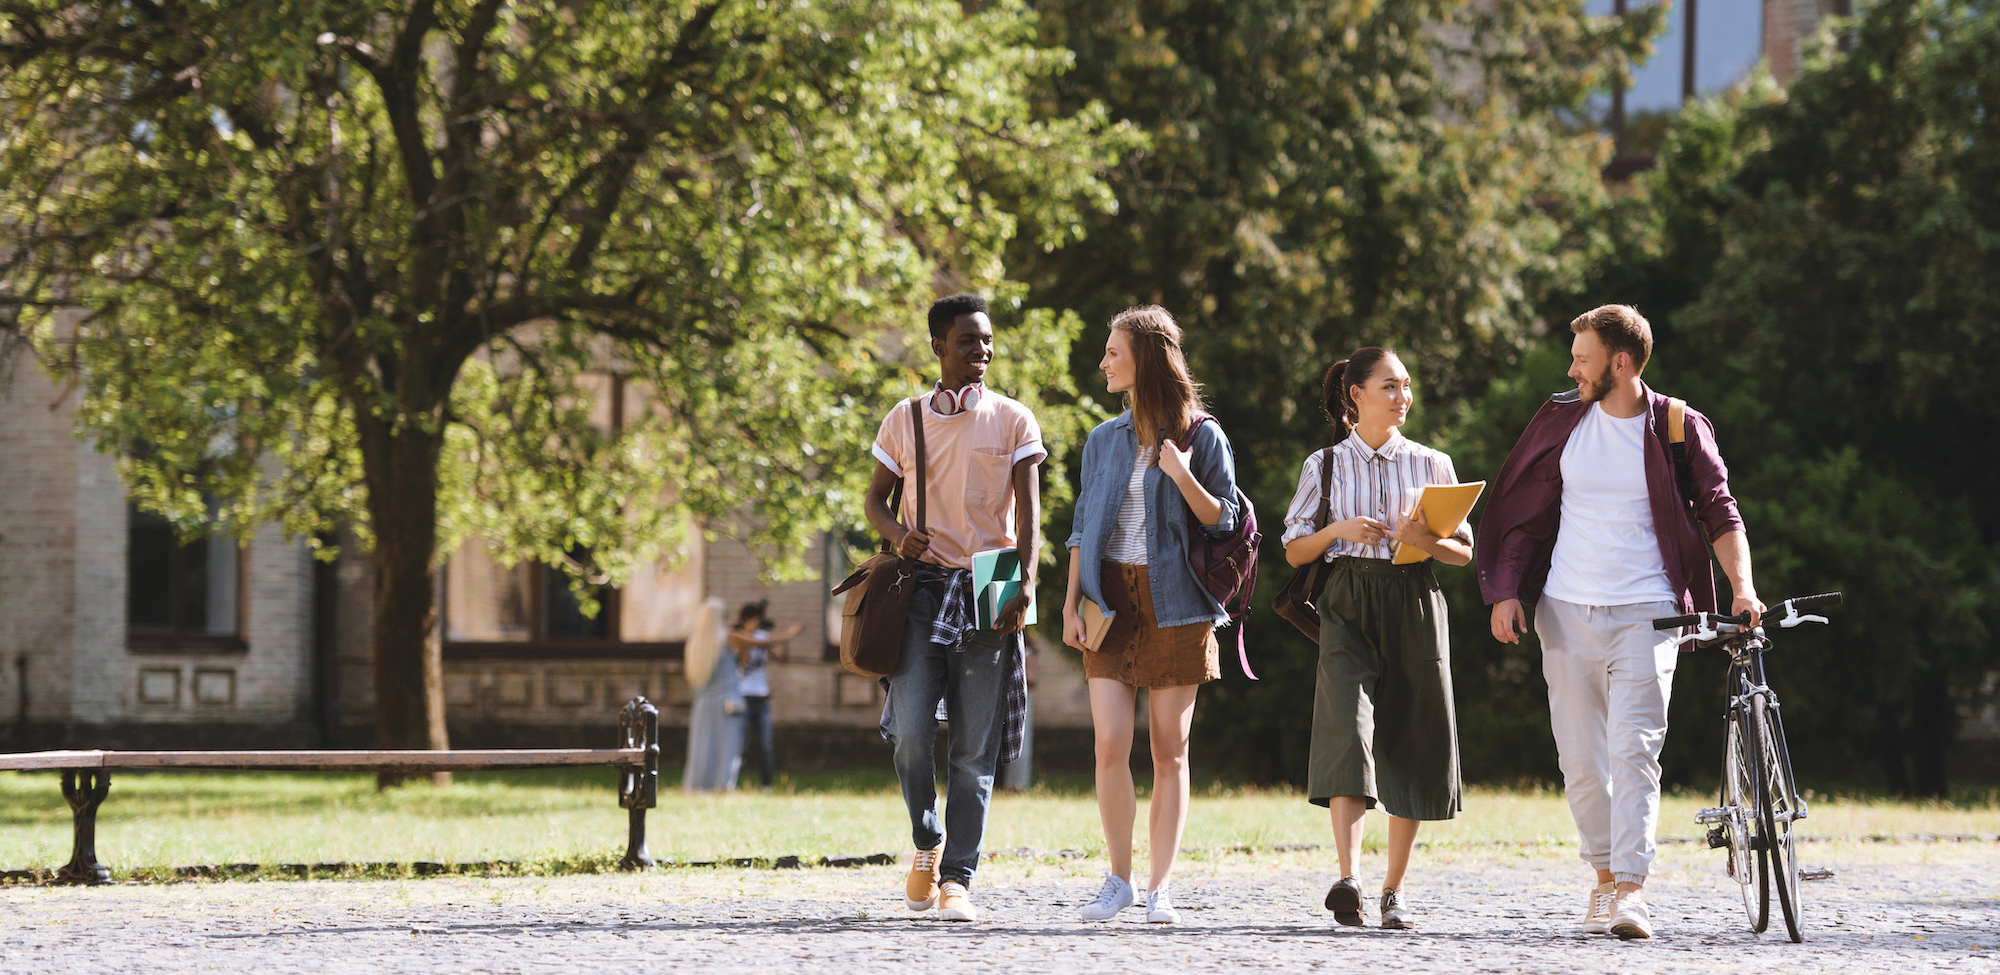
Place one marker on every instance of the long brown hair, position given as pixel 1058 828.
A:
pixel 1351 371
pixel 1163 394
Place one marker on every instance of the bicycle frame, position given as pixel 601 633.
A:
pixel 1759 796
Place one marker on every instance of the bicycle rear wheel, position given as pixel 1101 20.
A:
pixel 1743 794
pixel 1778 811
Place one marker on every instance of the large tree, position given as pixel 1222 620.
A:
pixel 342 261
pixel 1822 263
pixel 1323 174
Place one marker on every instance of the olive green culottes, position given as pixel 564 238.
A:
pixel 1384 727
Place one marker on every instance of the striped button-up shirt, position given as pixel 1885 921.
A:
pixel 1379 484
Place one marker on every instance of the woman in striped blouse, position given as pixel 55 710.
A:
pixel 1383 727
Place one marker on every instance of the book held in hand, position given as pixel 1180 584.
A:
pixel 996 579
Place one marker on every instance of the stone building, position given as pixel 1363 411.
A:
pixel 112 634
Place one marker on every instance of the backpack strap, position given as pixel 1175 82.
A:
pixel 1677 445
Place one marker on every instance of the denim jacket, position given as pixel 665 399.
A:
pixel 1178 597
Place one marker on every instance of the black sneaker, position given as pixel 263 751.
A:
pixel 1344 900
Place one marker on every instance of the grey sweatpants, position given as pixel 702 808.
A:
pixel 1609 675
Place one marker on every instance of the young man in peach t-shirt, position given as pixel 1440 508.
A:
pixel 982 458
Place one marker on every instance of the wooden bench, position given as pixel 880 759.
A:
pixel 86 776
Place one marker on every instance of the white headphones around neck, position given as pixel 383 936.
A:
pixel 952 402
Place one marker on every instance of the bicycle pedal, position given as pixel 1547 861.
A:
pixel 1713 814
pixel 1718 838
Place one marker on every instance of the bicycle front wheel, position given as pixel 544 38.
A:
pixel 1779 809
pixel 1743 796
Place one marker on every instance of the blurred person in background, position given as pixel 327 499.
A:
pixel 754 640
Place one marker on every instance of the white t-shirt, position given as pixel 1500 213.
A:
pixel 1606 551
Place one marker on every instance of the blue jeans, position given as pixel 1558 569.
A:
pixel 758 710
pixel 971 680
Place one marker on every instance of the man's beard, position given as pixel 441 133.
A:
pixel 1596 389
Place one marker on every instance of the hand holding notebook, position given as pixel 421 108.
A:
pixel 1444 507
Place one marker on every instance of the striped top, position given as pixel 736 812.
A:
pixel 1381 484
pixel 1128 540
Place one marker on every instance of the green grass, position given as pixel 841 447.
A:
pixel 569 820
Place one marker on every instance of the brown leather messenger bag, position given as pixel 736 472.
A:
pixel 873 617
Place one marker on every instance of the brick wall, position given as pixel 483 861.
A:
pixel 63 524
pixel 37 544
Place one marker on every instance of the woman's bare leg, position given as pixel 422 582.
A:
pixel 1170 715
pixel 1111 708
pixel 1402 840
pixel 1347 812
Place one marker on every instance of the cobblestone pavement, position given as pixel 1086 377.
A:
pixel 1890 908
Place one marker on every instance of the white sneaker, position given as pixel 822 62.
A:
pixel 1629 919
pixel 954 904
pixel 1597 913
pixel 1160 907
pixel 1116 895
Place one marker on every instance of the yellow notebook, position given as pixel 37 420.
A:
pixel 1445 507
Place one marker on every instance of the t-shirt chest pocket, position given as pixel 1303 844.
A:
pixel 986 483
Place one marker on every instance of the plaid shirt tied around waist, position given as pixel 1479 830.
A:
pixel 954 624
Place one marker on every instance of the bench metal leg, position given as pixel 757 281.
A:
pixel 85 790
pixel 639 790
pixel 636 855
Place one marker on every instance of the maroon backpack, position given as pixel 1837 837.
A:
pixel 1227 566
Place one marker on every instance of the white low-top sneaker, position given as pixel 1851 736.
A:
pixel 1160 907
pixel 1629 918
pixel 1116 895
pixel 1597 913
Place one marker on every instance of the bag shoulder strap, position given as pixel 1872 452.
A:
pixel 1325 489
pixel 896 492
pixel 1677 419
pixel 917 427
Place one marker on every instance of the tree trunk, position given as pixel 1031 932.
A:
pixel 409 665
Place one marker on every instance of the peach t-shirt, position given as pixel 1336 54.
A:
pixel 969 460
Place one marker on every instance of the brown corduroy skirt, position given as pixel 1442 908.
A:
pixel 1137 650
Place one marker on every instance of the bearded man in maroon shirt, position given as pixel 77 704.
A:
pixel 1595 523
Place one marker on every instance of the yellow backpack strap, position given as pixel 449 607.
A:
pixel 1677 420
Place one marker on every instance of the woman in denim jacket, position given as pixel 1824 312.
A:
pixel 1149 476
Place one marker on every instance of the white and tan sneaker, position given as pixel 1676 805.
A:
pixel 1160 907
pixel 1629 919
pixel 954 904
pixel 1597 913
pixel 920 889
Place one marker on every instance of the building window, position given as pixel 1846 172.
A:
pixel 529 611
pixel 181 595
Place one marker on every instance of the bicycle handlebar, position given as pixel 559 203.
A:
pixel 1786 611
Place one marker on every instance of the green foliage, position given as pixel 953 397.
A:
pixel 1844 240
pixel 301 230
pixel 1817 264
pixel 1324 174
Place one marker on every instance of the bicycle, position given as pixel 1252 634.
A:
pixel 1759 797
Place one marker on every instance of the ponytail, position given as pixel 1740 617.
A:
pixel 1351 371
